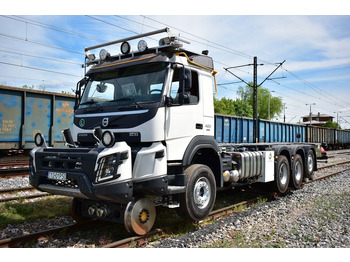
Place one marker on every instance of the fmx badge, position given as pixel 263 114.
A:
pixel 82 122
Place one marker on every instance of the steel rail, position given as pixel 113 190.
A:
pixel 8 242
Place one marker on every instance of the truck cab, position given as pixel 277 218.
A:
pixel 140 119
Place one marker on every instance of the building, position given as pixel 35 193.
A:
pixel 317 119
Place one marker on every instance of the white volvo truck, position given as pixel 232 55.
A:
pixel 144 126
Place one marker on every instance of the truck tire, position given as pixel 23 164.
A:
pixel 198 200
pixel 310 163
pixel 297 172
pixel 282 174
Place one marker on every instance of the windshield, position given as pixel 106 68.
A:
pixel 129 85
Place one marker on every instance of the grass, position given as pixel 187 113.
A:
pixel 16 212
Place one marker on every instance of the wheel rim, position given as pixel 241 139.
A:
pixel 202 193
pixel 283 174
pixel 310 163
pixel 298 171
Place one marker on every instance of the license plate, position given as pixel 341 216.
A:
pixel 57 176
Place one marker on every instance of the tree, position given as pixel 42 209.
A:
pixel 276 106
pixel 224 106
pixel 332 125
pixel 243 108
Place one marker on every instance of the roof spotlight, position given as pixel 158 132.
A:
pixel 125 48
pixel 104 54
pixel 142 46
pixel 90 56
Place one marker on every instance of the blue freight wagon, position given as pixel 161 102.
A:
pixel 25 112
pixel 234 129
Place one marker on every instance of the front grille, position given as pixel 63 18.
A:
pixel 67 163
pixel 69 160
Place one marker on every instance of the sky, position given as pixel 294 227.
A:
pixel 47 51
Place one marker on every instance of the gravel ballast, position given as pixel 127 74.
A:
pixel 318 215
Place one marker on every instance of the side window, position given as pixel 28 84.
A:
pixel 191 93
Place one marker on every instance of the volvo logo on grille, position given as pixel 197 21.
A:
pixel 105 122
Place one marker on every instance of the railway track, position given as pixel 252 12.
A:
pixel 141 241
pixel 29 192
pixel 14 171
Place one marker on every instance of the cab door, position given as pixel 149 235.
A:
pixel 183 121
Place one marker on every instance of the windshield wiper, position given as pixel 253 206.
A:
pixel 92 102
pixel 127 98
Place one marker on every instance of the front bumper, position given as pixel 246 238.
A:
pixel 79 169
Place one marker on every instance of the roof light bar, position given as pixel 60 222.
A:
pixel 166 30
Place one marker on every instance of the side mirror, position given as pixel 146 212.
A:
pixel 185 78
pixel 80 84
pixel 185 83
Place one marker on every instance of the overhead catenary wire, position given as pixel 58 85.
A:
pixel 202 41
pixel 40 69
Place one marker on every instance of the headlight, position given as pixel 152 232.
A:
pixel 108 166
pixel 108 139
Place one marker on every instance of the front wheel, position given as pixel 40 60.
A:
pixel 199 198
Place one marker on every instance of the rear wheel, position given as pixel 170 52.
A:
pixel 282 175
pixel 310 164
pixel 199 198
pixel 297 172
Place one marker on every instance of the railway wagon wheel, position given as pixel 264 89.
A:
pixel 282 175
pixel 297 172
pixel 199 198
pixel 75 209
pixel 139 216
